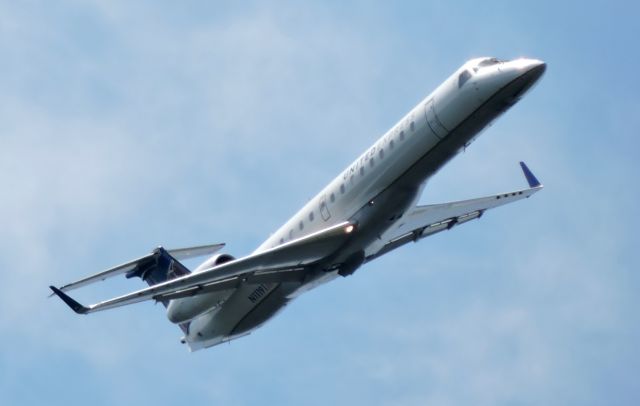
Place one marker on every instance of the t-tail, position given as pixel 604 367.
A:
pixel 157 267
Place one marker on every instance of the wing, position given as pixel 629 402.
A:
pixel 423 221
pixel 282 263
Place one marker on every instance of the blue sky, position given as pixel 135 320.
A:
pixel 125 126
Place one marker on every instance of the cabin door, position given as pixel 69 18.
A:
pixel 433 121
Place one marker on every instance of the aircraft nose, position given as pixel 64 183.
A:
pixel 536 68
pixel 532 69
pixel 528 72
pixel 520 75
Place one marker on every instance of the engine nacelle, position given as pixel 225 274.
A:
pixel 215 260
pixel 185 309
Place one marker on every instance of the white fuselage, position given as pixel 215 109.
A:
pixel 398 149
pixel 372 192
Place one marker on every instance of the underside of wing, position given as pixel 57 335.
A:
pixel 423 221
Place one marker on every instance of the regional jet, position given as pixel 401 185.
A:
pixel 368 210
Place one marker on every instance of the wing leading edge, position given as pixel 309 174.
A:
pixel 423 221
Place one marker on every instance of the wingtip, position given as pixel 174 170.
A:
pixel 531 178
pixel 75 306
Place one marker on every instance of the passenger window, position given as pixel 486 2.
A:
pixel 332 197
pixel 311 216
pixel 402 135
pixel 381 153
pixel 362 171
pixel 371 162
pixel 301 226
pixel 391 144
pixel 342 188
pixel 413 126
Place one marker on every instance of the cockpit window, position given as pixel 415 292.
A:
pixel 488 62
pixel 464 76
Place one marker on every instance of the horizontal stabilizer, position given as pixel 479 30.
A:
pixel 131 266
pixel 193 252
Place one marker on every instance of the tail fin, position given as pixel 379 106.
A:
pixel 154 268
pixel 158 268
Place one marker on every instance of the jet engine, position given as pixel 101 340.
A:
pixel 188 308
pixel 215 260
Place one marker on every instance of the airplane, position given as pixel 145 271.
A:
pixel 368 210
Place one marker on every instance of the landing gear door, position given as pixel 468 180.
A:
pixel 433 121
pixel 324 209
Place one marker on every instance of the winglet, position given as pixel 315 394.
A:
pixel 75 306
pixel 531 179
